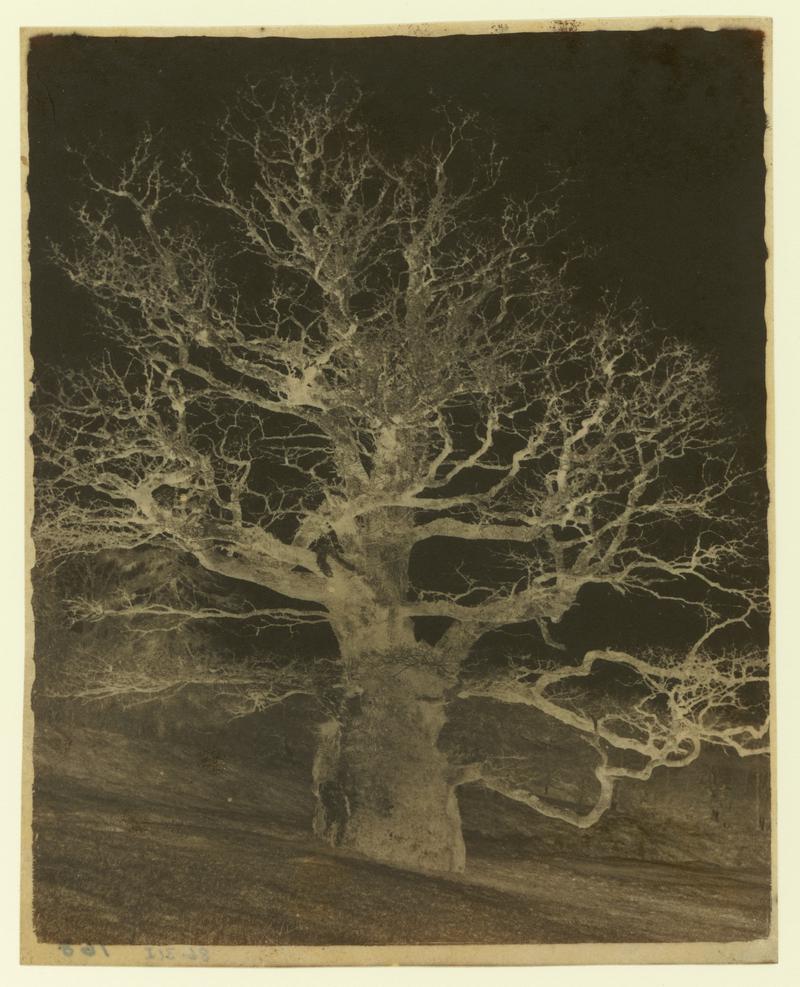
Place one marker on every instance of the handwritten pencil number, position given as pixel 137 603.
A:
pixel 87 949
pixel 193 954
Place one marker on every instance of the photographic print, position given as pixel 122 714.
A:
pixel 399 495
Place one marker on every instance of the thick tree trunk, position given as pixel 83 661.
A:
pixel 383 786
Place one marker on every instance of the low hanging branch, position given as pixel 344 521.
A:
pixel 662 718
pixel 238 688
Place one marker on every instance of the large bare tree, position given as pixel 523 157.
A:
pixel 360 381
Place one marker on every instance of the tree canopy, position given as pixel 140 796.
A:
pixel 320 360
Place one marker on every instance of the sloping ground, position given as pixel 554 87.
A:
pixel 141 842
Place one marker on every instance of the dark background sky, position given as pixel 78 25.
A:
pixel 661 130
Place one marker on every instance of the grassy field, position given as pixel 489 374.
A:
pixel 143 842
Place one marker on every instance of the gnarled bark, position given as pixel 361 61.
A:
pixel 383 786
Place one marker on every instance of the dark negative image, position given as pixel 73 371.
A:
pixel 399 451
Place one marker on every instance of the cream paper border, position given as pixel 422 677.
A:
pixel 759 951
